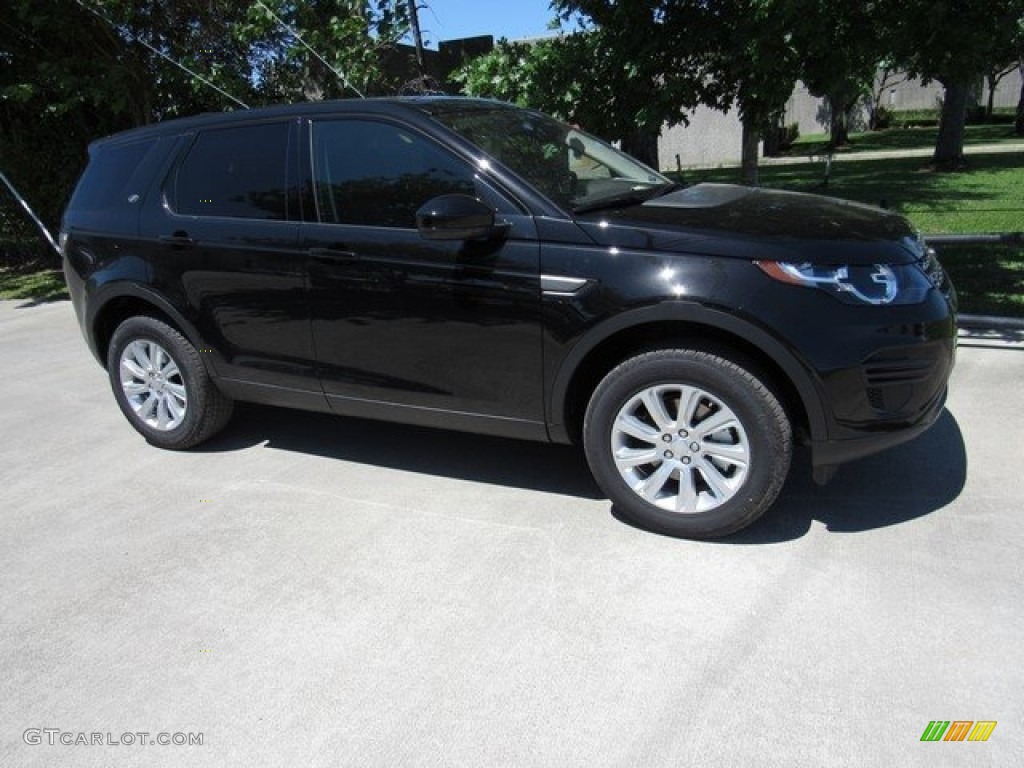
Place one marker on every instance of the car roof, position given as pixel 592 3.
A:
pixel 396 105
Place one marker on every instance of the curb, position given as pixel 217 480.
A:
pixel 990 321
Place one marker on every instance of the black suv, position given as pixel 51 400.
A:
pixel 472 265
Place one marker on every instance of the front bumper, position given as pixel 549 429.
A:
pixel 893 394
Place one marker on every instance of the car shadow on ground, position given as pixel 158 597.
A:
pixel 904 483
pixel 522 464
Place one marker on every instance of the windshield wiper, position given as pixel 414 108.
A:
pixel 632 197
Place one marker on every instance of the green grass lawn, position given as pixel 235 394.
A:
pixel 904 138
pixel 38 284
pixel 987 196
pixel 989 279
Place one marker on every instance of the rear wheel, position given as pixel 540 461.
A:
pixel 161 385
pixel 687 443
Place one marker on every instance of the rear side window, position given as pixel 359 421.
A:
pixel 239 172
pixel 106 183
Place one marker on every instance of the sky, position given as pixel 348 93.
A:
pixel 514 19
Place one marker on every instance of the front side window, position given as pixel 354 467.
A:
pixel 239 172
pixel 572 168
pixel 377 174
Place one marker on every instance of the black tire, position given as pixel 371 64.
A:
pixel 193 409
pixel 732 473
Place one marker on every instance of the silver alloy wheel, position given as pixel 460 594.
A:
pixel 680 448
pixel 153 385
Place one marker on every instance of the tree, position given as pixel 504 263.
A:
pixel 755 63
pixel 601 76
pixel 1018 125
pixel 71 72
pixel 677 54
pixel 888 77
pixel 563 77
pixel 952 43
pixel 993 77
pixel 322 49
pixel 840 50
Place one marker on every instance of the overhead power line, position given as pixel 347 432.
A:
pixel 298 37
pixel 32 214
pixel 163 55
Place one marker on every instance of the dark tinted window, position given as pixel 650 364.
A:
pixel 238 172
pixel 378 174
pixel 106 180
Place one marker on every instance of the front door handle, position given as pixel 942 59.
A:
pixel 332 255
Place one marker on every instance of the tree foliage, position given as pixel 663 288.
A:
pixel 572 77
pixel 71 71
pixel 674 55
pixel 841 47
pixel 351 39
pixel 953 42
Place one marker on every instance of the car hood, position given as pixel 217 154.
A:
pixel 745 222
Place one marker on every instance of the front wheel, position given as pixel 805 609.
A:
pixel 687 443
pixel 161 385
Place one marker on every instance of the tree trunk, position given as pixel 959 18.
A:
pixel 643 145
pixel 1018 125
pixel 839 125
pixel 993 83
pixel 751 142
pixel 417 36
pixel 949 148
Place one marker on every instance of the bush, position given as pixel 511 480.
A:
pixel 914 118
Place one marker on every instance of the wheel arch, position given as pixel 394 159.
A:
pixel 693 327
pixel 124 301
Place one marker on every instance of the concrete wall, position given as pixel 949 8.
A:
pixel 712 138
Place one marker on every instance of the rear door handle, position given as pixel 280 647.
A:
pixel 178 238
pixel 332 255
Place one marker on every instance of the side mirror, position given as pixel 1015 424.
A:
pixel 455 217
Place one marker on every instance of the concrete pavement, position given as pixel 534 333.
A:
pixel 315 591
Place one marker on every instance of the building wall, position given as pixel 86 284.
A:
pixel 713 138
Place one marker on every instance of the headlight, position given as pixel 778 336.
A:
pixel 874 284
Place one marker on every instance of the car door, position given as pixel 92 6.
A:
pixel 443 333
pixel 225 240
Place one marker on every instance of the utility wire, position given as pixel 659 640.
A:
pixel 298 37
pixel 31 213
pixel 163 55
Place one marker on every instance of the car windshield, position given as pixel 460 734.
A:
pixel 569 166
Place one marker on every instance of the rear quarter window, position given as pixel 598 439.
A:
pixel 111 180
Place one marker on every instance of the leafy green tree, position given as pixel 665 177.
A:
pixel 678 54
pixel 608 76
pixel 566 77
pixel 755 61
pixel 840 48
pixel 72 71
pixel 322 49
pixel 951 42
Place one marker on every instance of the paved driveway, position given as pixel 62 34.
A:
pixel 314 591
